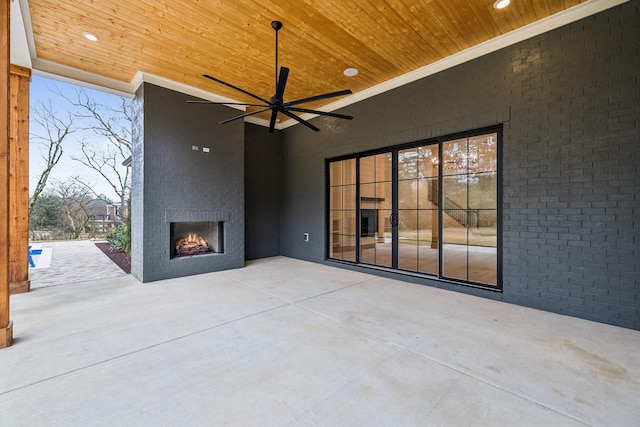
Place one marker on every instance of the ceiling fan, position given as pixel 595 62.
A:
pixel 276 103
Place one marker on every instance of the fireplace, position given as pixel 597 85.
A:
pixel 189 239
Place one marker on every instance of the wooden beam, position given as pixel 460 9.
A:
pixel 20 71
pixel 19 180
pixel 6 325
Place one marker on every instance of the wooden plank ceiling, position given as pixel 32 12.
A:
pixel 233 39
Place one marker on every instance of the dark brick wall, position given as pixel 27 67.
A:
pixel 171 182
pixel 263 167
pixel 569 103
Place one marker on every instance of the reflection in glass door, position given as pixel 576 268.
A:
pixel 429 209
pixel 375 210
pixel 418 240
pixel 470 209
pixel 342 210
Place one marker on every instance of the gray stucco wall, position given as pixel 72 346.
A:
pixel 570 105
pixel 171 182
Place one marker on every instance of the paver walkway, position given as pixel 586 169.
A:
pixel 73 261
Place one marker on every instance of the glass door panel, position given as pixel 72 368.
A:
pixel 455 215
pixel 469 214
pixel 454 245
pixel 454 192
pixel 408 194
pixel 368 196
pixel 408 164
pixel 349 236
pixel 349 171
pixel 408 225
pixel 427 164
pixel 428 193
pixel 375 210
pixel 349 197
pixel 428 241
pixel 428 260
pixel 367 169
pixel 335 173
pixel 482 153
pixel 384 195
pixel 483 264
pixel 418 190
pixel 482 191
pixel 335 246
pixel 408 239
pixel 342 209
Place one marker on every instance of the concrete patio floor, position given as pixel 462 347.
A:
pixel 286 342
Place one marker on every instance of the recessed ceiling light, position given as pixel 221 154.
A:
pixel 90 36
pixel 500 4
pixel 350 72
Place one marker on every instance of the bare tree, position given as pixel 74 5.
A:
pixel 56 129
pixel 75 199
pixel 106 156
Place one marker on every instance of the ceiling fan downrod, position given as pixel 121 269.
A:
pixel 276 25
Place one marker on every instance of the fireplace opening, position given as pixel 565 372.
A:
pixel 196 238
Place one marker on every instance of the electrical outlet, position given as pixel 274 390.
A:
pixel 195 148
pixel 306 237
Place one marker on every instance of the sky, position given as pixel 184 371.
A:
pixel 44 90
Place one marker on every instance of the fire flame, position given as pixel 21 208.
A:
pixel 192 244
pixel 191 240
pixel 194 239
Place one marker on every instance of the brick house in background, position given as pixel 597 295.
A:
pixel 104 216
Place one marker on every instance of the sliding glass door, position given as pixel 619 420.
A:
pixel 429 209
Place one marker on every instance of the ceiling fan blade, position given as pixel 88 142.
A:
pixel 236 88
pixel 319 97
pixel 194 101
pixel 282 82
pixel 321 113
pixel 299 120
pixel 272 123
pixel 245 115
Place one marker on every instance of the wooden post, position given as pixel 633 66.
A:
pixel 6 325
pixel 19 180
